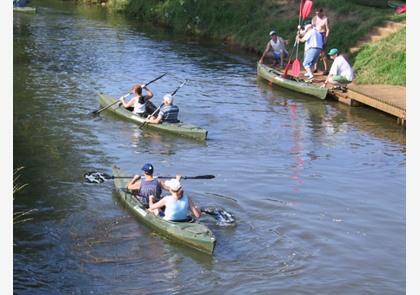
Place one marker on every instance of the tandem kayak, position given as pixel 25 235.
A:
pixel 183 129
pixel 190 233
pixel 277 78
pixel 25 9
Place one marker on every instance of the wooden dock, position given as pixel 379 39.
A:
pixel 386 98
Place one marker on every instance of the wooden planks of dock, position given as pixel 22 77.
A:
pixel 386 98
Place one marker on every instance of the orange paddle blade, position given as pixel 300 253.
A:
pixel 296 68
pixel 307 7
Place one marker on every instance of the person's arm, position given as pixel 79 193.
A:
pixel 194 209
pixel 327 29
pixel 149 93
pixel 134 184
pixel 160 204
pixel 128 104
pixel 267 48
pixel 156 120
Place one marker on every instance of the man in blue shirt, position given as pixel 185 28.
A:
pixel 313 46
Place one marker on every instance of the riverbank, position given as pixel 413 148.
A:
pixel 246 24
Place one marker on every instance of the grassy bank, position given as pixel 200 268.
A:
pixel 246 23
pixel 383 62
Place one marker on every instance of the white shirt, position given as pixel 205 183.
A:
pixel 139 108
pixel 278 47
pixel 341 67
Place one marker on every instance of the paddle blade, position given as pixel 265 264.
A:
pixel 296 68
pixel 223 217
pixel 96 177
pixel 306 10
pixel 286 69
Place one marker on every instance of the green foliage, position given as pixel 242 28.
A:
pixel 383 62
pixel 247 22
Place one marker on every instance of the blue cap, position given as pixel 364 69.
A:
pixel 148 168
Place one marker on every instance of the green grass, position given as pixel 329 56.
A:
pixel 246 23
pixel 383 62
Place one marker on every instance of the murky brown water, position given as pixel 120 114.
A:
pixel 318 188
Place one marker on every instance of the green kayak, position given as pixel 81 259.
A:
pixel 190 233
pixel 25 9
pixel 276 77
pixel 183 129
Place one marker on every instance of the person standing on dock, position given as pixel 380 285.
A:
pixel 140 104
pixel 168 113
pixel 313 47
pixel 341 72
pixel 148 186
pixel 278 47
pixel 320 22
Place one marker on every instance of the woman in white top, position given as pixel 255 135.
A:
pixel 139 102
pixel 320 22
pixel 176 204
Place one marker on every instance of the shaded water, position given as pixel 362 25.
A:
pixel 318 188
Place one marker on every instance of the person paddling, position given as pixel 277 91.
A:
pixel 140 104
pixel 278 47
pixel 176 204
pixel 147 186
pixel 168 112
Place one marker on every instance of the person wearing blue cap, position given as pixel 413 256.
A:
pixel 278 47
pixel 148 186
pixel 313 46
pixel 341 72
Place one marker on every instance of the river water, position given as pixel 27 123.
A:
pixel 318 188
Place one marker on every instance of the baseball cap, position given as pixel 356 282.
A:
pixel 173 184
pixel 147 168
pixel 273 33
pixel 333 51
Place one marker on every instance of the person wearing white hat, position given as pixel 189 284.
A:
pixel 176 204
pixel 278 47
pixel 167 113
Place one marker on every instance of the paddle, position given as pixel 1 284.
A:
pixel 307 7
pixel 99 177
pixel 222 216
pixel 104 108
pixel 161 105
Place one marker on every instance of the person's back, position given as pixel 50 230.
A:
pixel 169 113
pixel 313 39
pixel 176 209
pixel 150 187
pixel 341 67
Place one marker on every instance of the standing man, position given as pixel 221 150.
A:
pixel 320 22
pixel 278 48
pixel 341 72
pixel 313 47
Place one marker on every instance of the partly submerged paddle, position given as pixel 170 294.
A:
pixel 126 95
pixel 99 177
pixel 161 105
pixel 222 216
